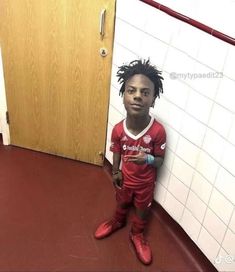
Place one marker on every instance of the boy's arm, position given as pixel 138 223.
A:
pixel 158 161
pixel 116 173
pixel 116 162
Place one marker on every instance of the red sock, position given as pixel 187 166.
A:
pixel 138 225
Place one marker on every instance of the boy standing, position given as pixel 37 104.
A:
pixel 139 143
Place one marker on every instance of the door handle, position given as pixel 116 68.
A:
pixel 102 22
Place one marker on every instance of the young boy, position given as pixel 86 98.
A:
pixel 139 143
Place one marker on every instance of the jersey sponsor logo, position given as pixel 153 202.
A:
pixel 135 148
pixel 147 139
pixel 163 146
pixel 124 138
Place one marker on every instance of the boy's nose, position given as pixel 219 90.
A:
pixel 137 94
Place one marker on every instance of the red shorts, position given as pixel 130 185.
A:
pixel 141 198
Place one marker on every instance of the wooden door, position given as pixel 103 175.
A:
pixel 57 83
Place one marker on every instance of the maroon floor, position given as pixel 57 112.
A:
pixel 50 207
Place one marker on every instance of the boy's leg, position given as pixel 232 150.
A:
pixel 139 221
pixel 143 200
pixel 123 197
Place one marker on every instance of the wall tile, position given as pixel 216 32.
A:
pixel 187 151
pixel 175 116
pixel 132 37
pixel 205 80
pixel 206 55
pixel 232 222
pixel 228 158
pixel 160 194
pixel 158 18
pixel 208 245
pixel 114 79
pixel 196 206
pixel 114 116
pixel 153 49
pixel 214 144
pixel 169 159
pixel 173 206
pixel 109 132
pixel 217 11
pixel 221 206
pixel 190 224
pixel 176 91
pixel 180 39
pixel 108 153
pixel 199 106
pixel 172 137
pixel 116 101
pixel 201 187
pixel 226 95
pixel 124 9
pixel 231 136
pixel 217 120
pixel 214 226
pixel 207 166
pixel 193 130
pixel 181 72
pixel 122 55
pixel 160 109
pixel 182 171
pixel 163 176
pixel 230 60
pixel 229 242
pixel 225 183
pixel 178 189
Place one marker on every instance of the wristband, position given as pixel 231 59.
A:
pixel 149 159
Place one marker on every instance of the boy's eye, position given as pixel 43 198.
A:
pixel 145 93
pixel 130 91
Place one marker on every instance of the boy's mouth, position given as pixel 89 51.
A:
pixel 136 106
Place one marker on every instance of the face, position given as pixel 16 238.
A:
pixel 138 95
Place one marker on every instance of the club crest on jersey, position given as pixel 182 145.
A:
pixel 147 139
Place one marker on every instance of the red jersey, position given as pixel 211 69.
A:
pixel 152 140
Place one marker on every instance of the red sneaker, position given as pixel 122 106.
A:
pixel 142 248
pixel 107 228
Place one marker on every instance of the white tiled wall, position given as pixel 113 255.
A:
pixel 196 184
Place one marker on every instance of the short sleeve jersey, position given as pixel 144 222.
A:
pixel 152 140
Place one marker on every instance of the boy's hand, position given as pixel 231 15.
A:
pixel 140 158
pixel 117 180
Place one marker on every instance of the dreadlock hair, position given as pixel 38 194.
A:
pixel 140 67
